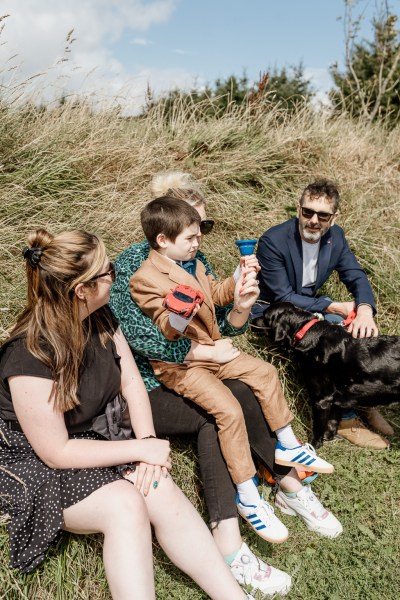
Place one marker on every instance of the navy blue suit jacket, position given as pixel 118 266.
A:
pixel 280 255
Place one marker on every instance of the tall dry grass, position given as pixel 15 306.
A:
pixel 70 167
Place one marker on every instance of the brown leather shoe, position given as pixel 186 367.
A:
pixel 355 432
pixel 374 419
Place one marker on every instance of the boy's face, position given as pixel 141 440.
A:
pixel 184 247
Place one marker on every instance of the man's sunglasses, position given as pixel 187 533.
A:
pixel 110 272
pixel 324 217
pixel 206 226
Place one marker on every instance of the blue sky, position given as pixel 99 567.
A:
pixel 121 45
pixel 214 38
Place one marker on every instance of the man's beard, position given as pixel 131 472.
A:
pixel 312 236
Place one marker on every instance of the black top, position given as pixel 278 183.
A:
pixel 99 379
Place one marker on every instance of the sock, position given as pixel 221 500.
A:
pixel 231 557
pixel 286 437
pixel 290 494
pixel 248 493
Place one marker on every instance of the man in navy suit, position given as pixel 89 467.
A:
pixel 296 258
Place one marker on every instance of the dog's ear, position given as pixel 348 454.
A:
pixel 257 326
pixel 280 331
pixel 275 324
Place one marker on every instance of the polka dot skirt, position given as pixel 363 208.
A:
pixel 34 496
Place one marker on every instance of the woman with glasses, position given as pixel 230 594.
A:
pixel 63 363
pixel 176 416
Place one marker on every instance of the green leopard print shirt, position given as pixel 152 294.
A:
pixel 145 339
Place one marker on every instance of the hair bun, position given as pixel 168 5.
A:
pixel 162 183
pixel 32 255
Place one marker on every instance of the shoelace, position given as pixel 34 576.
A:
pixel 251 566
pixel 310 448
pixel 311 501
pixel 267 508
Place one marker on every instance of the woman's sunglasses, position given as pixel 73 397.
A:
pixel 110 272
pixel 206 226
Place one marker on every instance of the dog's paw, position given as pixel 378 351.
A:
pixel 317 443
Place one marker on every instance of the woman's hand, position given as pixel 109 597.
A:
pixel 155 452
pixel 146 476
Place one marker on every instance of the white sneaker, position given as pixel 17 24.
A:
pixel 307 506
pixel 263 521
pixel 304 456
pixel 249 570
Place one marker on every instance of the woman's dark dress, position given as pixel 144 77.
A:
pixel 31 493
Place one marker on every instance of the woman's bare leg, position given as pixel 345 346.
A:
pixel 119 511
pixel 187 541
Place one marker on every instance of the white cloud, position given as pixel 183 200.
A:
pixel 321 80
pixel 141 42
pixel 36 33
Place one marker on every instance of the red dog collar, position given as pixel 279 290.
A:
pixel 302 332
pixel 350 318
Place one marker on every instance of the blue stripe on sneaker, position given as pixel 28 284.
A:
pixel 310 462
pixel 303 460
pixel 260 527
pixel 297 458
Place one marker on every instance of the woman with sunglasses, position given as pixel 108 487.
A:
pixel 64 361
pixel 176 416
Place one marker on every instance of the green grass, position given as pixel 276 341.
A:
pixel 70 168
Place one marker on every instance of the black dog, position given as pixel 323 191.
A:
pixel 340 371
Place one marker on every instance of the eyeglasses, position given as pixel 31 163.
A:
pixel 206 226
pixel 308 213
pixel 110 272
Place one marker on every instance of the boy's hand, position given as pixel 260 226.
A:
pixel 246 290
pixel 224 351
pixel 250 262
pixel 246 264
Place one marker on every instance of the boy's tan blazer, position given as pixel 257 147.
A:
pixel 159 275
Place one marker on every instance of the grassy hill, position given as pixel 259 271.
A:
pixel 68 168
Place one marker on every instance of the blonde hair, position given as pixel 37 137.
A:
pixel 179 185
pixel 51 321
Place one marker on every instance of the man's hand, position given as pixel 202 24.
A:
pixel 340 308
pixel 364 324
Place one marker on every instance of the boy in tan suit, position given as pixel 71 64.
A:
pixel 172 228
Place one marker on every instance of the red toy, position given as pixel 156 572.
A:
pixel 182 300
